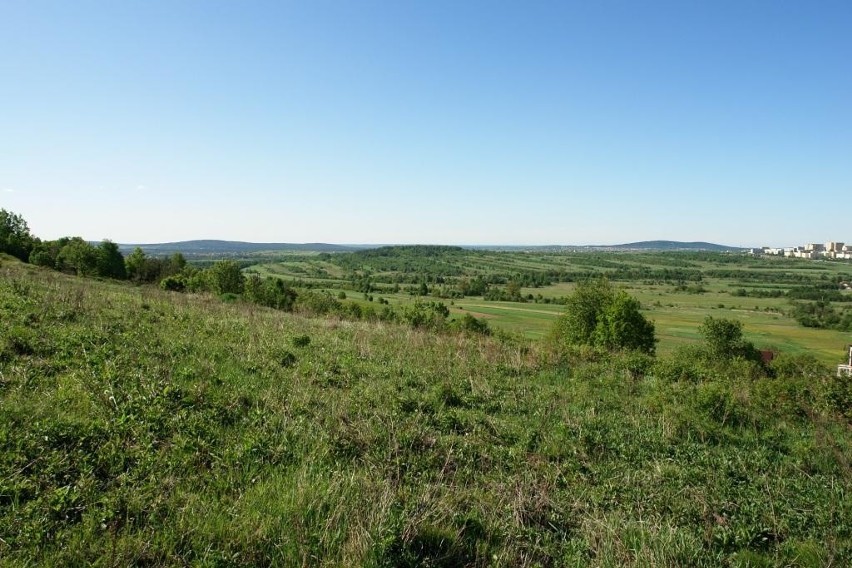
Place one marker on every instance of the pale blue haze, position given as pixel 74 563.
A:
pixel 428 122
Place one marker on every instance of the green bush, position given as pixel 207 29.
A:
pixel 597 315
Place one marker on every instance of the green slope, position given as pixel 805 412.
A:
pixel 143 428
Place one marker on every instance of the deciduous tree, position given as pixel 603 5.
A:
pixel 597 315
pixel 15 237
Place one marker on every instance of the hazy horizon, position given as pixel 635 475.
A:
pixel 551 123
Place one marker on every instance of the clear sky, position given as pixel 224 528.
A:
pixel 463 122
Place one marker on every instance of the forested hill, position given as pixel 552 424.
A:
pixel 218 247
pixel 674 245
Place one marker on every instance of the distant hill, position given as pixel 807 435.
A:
pixel 672 245
pixel 216 247
pixel 229 248
pixel 638 246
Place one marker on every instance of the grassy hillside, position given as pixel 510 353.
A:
pixel 147 428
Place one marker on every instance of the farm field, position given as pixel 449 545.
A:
pixel 677 289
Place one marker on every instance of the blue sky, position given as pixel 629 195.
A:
pixel 428 122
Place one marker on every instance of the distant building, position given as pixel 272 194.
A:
pixel 830 249
pixel 847 368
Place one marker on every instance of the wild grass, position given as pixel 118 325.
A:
pixel 139 427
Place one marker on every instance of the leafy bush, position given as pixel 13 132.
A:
pixel 226 277
pixel 724 339
pixel 431 315
pixel 470 324
pixel 173 283
pixel 597 315
pixel 270 292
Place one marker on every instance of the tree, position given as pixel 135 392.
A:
pixel 110 262
pixel 46 253
pixel 582 310
pixel 79 257
pixel 724 339
pixel 176 264
pixel 622 326
pixel 226 277
pixel 135 264
pixel 270 292
pixel 597 315
pixel 15 237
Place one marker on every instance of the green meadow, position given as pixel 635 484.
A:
pixel 653 278
pixel 141 427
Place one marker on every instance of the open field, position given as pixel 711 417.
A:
pixel 141 427
pixel 665 283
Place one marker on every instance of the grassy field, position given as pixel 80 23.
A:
pixel 140 427
pixel 676 313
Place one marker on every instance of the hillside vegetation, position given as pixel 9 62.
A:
pixel 143 427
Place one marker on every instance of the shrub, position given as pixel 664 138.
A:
pixel 226 277
pixel 470 324
pixel 598 316
pixel 173 283
pixel 724 339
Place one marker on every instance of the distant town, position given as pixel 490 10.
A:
pixel 830 249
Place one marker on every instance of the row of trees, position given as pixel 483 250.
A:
pixel 75 255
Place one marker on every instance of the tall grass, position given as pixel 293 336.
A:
pixel 139 427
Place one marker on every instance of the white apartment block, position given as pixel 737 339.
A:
pixel 830 249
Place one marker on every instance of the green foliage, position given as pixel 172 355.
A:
pixel 622 326
pixel 78 257
pixel 177 263
pixel 432 315
pixel 177 283
pixel 269 292
pixel 142 268
pixel 110 261
pixel 15 237
pixel 597 315
pixel 724 339
pixel 225 277
pixel 135 265
pixel 583 308
pixel 319 303
pixel 821 314
pixel 469 324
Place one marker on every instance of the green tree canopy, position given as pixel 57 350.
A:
pixel 110 261
pixel 596 314
pixel 15 237
pixel 135 264
pixel 724 339
pixel 79 257
pixel 226 277
pixel 622 326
